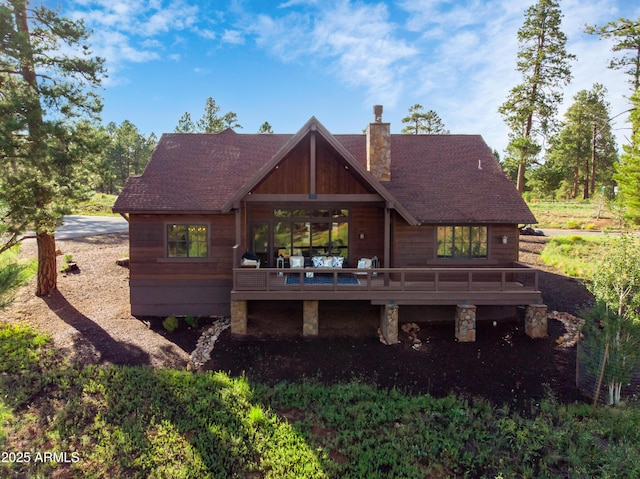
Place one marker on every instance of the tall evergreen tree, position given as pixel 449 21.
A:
pixel 585 149
pixel 626 36
pixel 543 61
pixel 628 170
pixel 209 122
pixel 126 153
pixel 421 122
pixel 48 76
pixel 185 124
pixel 265 129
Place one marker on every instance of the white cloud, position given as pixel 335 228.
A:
pixel 130 30
pixel 233 37
pixel 358 40
pixel 295 3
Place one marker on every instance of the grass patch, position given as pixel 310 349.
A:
pixel 136 422
pixel 99 204
pixel 572 214
pixel 573 255
pixel 14 272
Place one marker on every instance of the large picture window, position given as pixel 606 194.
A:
pixel 462 242
pixel 187 241
pixel 311 232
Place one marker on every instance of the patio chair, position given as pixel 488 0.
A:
pixel 368 263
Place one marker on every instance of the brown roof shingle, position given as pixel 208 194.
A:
pixel 437 178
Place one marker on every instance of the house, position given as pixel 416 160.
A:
pixel 397 220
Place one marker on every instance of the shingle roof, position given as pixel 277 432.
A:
pixel 436 178
pixel 197 172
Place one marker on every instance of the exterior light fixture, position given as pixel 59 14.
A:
pixel 361 235
pixel 505 239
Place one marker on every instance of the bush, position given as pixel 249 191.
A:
pixel 604 331
pixel 170 324
pixel 13 273
pixel 573 225
pixel 615 320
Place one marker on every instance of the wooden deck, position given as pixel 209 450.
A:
pixel 517 285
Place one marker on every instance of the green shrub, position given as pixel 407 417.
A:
pixel 191 321
pixel 573 225
pixel 171 323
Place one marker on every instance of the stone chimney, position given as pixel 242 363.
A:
pixel 379 146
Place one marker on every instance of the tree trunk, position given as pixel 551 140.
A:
pixel 593 158
pixel 522 166
pixel 576 181
pixel 585 192
pixel 47 265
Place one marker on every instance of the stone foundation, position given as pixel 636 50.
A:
pixel 465 323
pixel 310 318
pixel 535 321
pixel 239 317
pixel 389 323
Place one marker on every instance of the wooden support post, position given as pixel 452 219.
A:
pixel 239 317
pixel 310 318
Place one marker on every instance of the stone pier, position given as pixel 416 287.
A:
pixel 465 323
pixel 310 318
pixel 239 317
pixel 389 323
pixel 535 321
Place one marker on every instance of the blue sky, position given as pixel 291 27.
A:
pixel 285 61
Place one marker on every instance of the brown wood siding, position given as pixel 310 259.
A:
pixel 415 246
pixel 161 285
pixel 292 174
pixel 370 221
pixel 163 297
pixel 503 253
pixel 147 248
pixel 412 246
pixel 331 175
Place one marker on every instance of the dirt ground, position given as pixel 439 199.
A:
pixel 89 321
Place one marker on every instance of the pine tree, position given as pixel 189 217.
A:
pixel 265 129
pixel 421 122
pixel 626 36
pixel 48 78
pixel 185 124
pixel 628 170
pixel 209 122
pixel 585 148
pixel 544 63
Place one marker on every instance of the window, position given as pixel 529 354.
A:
pixel 310 232
pixel 187 241
pixel 462 242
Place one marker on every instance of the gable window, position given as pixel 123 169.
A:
pixel 462 242
pixel 187 241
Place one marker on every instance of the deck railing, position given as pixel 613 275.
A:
pixel 518 277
